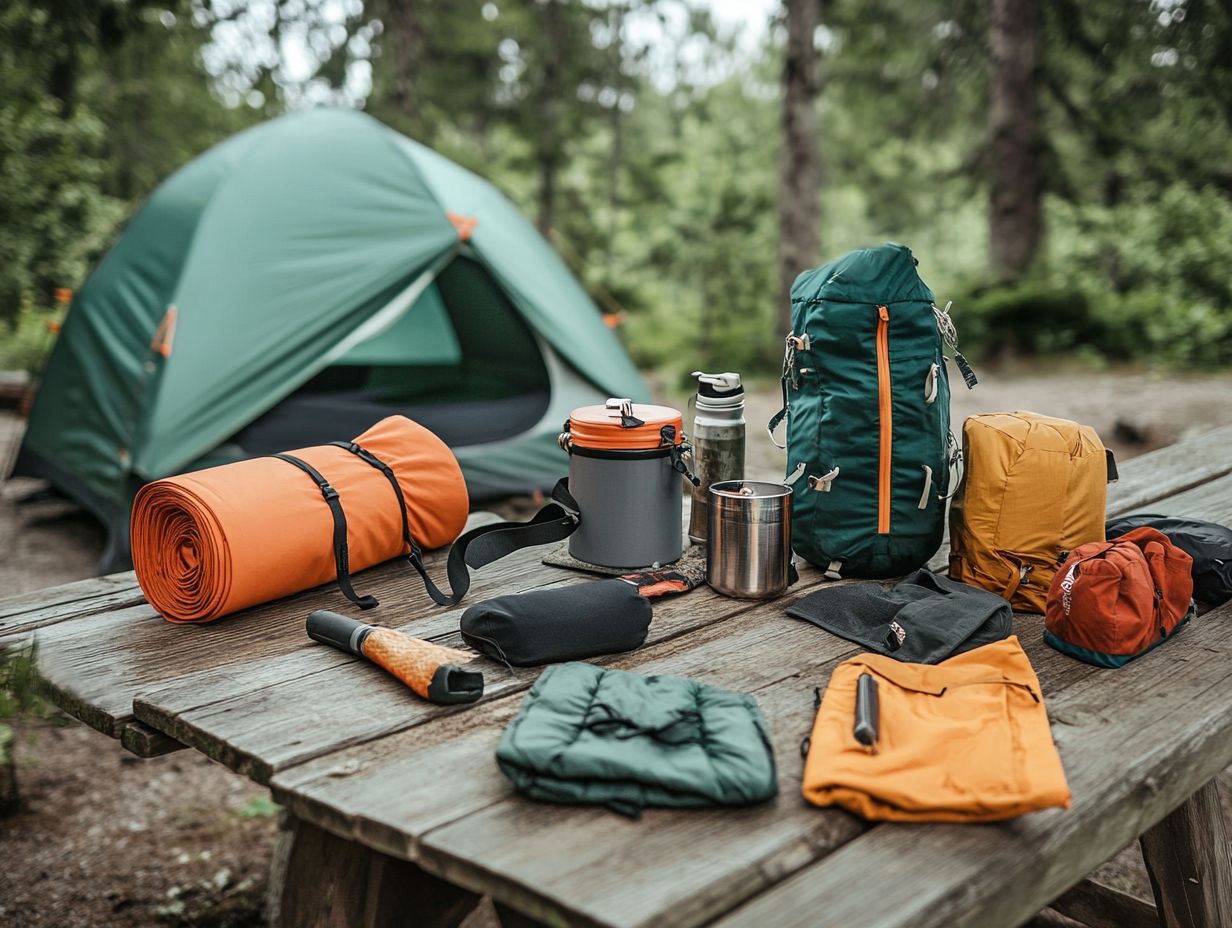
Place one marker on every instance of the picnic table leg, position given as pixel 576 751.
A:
pixel 1190 865
pixel 319 880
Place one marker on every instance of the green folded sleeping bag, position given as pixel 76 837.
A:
pixel 608 737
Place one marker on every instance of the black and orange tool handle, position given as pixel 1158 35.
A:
pixel 339 631
pixel 423 666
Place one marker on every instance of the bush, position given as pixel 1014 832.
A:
pixel 25 343
pixel 1026 319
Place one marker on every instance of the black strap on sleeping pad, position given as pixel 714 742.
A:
pixel 483 545
pixel 341 556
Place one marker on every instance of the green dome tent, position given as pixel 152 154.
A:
pixel 293 285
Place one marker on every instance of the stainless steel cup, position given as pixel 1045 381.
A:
pixel 748 555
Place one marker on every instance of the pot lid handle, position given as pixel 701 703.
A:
pixel 625 406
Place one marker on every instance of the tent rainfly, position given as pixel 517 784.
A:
pixel 293 285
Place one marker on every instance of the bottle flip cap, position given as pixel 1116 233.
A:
pixel 718 385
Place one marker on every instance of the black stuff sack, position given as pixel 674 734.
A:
pixel 922 619
pixel 563 624
pixel 1208 543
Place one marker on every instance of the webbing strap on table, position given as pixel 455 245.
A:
pixel 483 545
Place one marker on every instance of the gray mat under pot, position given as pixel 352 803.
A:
pixel 693 559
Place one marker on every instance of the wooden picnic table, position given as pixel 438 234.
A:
pixel 397 814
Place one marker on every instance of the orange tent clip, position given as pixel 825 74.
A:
pixel 464 224
pixel 164 335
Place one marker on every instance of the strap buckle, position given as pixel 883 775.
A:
pixel 823 483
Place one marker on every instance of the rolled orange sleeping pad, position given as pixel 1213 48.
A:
pixel 218 540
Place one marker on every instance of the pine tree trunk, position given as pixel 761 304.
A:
pixel 1015 181
pixel 550 105
pixel 616 116
pixel 402 43
pixel 800 180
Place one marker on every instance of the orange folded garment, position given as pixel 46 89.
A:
pixel 966 740
pixel 212 542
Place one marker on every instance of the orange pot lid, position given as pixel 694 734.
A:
pixel 602 427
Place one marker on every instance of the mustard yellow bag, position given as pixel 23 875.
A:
pixel 966 740
pixel 1034 489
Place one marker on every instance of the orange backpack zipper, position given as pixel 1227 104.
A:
pixel 886 410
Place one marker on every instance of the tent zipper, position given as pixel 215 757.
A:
pixel 886 414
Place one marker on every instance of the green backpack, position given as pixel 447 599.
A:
pixel 867 402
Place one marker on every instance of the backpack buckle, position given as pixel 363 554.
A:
pixel 822 484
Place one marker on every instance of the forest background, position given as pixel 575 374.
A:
pixel 1062 169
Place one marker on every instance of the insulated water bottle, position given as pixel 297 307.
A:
pixel 718 441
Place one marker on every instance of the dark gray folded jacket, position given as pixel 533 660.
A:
pixel 614 738
pixel 923 619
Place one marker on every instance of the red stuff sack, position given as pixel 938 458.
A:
pixel 1112 601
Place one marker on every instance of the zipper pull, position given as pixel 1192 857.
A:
pixel 945 326
pixel 883 313
pixel 965 367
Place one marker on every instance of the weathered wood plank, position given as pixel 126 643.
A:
pixel 276 712
pixel 1133 747
pixel 93 669
pixel 29 611
pixel 145 741
pixel 535 857
pixel 329 882
pixel 72 592
pixel 1171 470
pixel 390 792
pixel 1098 906
pixel 346 791
pixel 276 692
pixel 1189 861
pixel 268 715
pixel 350 782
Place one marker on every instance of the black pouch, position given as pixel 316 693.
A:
pixel 922 619
pixel 565 624
pixel 1208 543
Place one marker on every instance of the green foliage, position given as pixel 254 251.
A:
pixel 649 142
pixel 99 101
pixel 50 172
pixel 259 807
pixel 19 692
pixel 1144 280
pixel 27 339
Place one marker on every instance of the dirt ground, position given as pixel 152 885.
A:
pixel 106 839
